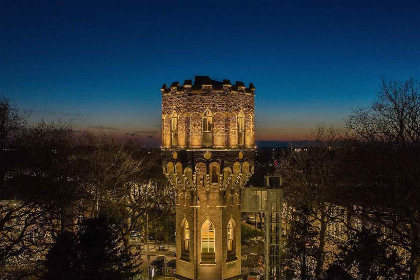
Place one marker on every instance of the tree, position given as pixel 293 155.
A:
pixel 368 255
pixel 17 216
pixel 62 259
pixel 124 184
pixel 35 167
pixel 301 244
pixel 311 182
pixel 336 272
pixel 96 251
pixel 253 248
pixel 386 164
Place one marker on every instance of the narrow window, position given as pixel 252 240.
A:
pixel 231 250
pixel 185 247
pixel 174 131
pixel 207 242
pixel 207 129
pixel 230 236
pixel 214 174
pixel 241 130
pixel 186 237
pixel 163 132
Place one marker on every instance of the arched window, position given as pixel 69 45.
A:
pixel 245 167
pixel 230 236
pixel 185 240
pixel 236 168
pixel 174 130
pixel 188 173
pixel 241 130
pixel 207 129
pixel 231 250
pixel 178 168
pixel 214 174
pixel 226 172
pixel 207 242
pixel 163 131
pixel 170 168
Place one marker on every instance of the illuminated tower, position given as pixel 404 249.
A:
pixel 208 146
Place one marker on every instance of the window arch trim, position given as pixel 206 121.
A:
pixel 208 242
pixel 185 240
pixel 240 120
pixel 174 129
pixel 207 128
pixel 231 240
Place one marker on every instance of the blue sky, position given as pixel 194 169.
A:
pixel 100 64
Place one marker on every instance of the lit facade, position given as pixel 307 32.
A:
pixel 208 145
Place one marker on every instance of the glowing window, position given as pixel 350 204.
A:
pixel 186 237
pixel 230 233
pixel 241 130
pixel 207 129
pixel 174 130
pixel 207 237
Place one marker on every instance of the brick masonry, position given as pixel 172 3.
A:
pixel 200 194
pixel 224 101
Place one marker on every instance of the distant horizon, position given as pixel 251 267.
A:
pixel 156 142
pixel 100 64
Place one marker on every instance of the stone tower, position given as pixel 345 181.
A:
pixel 208 147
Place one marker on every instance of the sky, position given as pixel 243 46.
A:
pixel 100 64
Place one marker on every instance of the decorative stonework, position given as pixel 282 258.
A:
pixel 189 102
pixel 208 179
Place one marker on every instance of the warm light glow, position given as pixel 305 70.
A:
pixel 207 237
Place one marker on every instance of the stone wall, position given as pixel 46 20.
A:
pixel 225 102
pixel 189 167
pixel 198 200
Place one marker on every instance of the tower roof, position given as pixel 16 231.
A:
pixel 201 82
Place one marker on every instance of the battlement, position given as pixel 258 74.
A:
pixel 205 85
pixel 205 113
pixel 208 130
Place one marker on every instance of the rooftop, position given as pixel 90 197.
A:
pixel 205 81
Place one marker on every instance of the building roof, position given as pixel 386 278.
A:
pixel 201 82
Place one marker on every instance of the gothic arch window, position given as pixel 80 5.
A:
pixel 250 130
pixel 207 129
pixel 174 130
pixel 185 246
pixel 208 242
pixel 245 167
pixel 178 168
pixel 226 172
pixel 241 129
pixel 188 173
pixel 170 168
pixel 236 168
pixel 214 173
pixel 231 244
pixel 163 130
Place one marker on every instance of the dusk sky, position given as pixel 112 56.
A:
pixel 101 64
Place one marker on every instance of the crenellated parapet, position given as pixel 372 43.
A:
pixel 205 85
pixel 208 114
pixel 208 140
pixel 198 176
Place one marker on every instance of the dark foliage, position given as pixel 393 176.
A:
pixel 62 257
pixel 367 255
pixel 95 252
pixel 336 272
pixel 301 248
